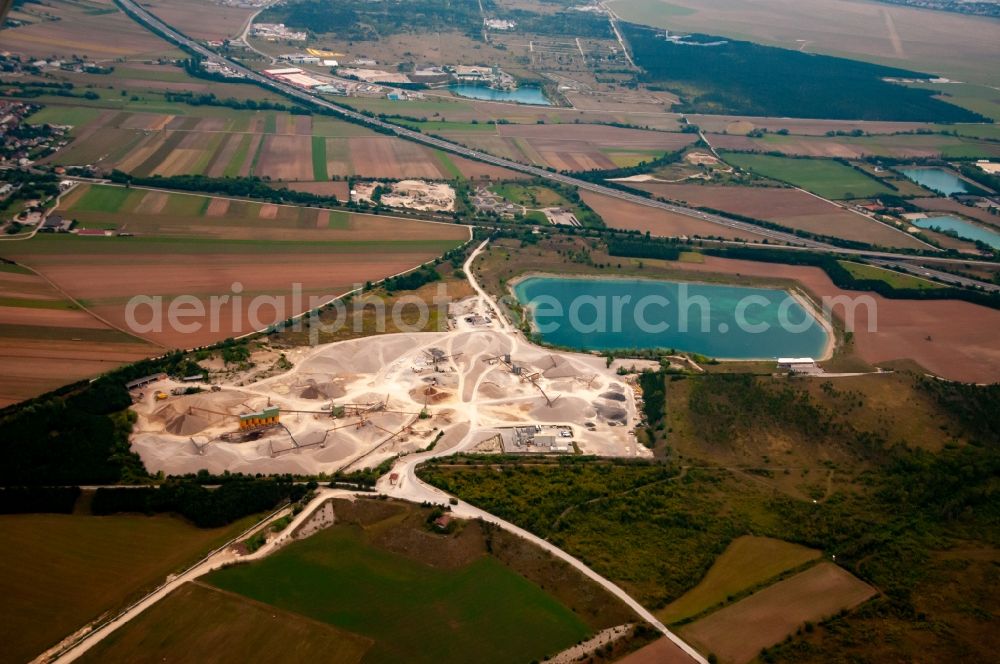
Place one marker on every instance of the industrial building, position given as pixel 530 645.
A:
pixel 268 417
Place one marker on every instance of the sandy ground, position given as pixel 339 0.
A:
pixel 468 396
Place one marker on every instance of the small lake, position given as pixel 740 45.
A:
pixel 728 322
pixel 522 95
pixel 937 179
pixel 964 229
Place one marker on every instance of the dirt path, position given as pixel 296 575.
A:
pixel 409 487
pixel 76 645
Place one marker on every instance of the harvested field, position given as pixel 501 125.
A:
pixel 286 157
pixel 632 216
pixel 950 338
pixel 201 19
pixel 732 124
pixel 573 147
pixel 45 342
pixel 391 158
pixel 63 571
pixel 788 207
pixel 201 246
pixel 848 147
pixel 338 188
pixel 746 562
pixel 737 633
pixel 661 651
pixel 223 627
pixel 81 32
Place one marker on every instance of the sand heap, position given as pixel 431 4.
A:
pixel 560 368
pixel 191 414
pixel 312 389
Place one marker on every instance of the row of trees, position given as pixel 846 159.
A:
pixel 204 507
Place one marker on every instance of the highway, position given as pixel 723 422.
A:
pixel 795 242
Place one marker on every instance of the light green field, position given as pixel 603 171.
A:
pixel 481 612
pixel 103 199
pixel 76 116
pixel 982 99
pixel 530 195
pixel 747 562
pixel 223 627
pixel 239 156
pixel 894 279
pixel 824 177
pixel 62 571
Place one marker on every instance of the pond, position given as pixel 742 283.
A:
pixel 937 179
pixel 522 95
pixel 726 322
pixel 963 229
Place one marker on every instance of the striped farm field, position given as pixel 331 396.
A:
pixel 201 246
pixel 737 633
pixel 277 145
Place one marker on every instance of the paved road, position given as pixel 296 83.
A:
pixel 930 273
pixel 794 241
pixel 297 93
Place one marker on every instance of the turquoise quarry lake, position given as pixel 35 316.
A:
pixel 726 322
pixel 523 94
pixel 962 228
pixel 936 179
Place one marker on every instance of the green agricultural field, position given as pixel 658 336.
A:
pixel 239 156
pixel 981 99
pixel 319 158
pixel 414 612
pixel 532 196
pixel 824 177
pixel 223 627
pixel 77 116
pixel 99 198
pixel 62 571
pixel 747 562
pixel 894 279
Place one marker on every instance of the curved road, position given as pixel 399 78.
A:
pixel 408 486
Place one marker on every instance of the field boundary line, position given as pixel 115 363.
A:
pixel 847 208
pixel 89 311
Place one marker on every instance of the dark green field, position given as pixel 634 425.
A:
pixel 481 612
pixel 225 628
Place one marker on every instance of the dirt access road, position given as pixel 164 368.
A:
pixel 410 487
